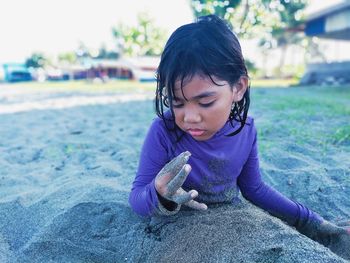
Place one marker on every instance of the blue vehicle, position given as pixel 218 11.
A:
pixel 16 72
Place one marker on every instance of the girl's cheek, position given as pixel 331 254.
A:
pixel 177 114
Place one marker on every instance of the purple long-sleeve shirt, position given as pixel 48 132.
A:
pixel 221 166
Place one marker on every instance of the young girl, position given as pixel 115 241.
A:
pixel 203 149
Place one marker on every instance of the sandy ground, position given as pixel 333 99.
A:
pixel 68 159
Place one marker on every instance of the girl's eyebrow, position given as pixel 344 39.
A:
pixel 200 96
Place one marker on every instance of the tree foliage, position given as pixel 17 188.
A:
pixel 245 16
pixel 104 53
pixel 220 8
pixel 285 31
pixel 276 23
pixel 290 19
pixel 143 39
pixel 68 57
pixel 36 60
pixel 254 18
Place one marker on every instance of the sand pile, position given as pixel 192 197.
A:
pixel 110 232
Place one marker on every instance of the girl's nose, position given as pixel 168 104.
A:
pixel 192 116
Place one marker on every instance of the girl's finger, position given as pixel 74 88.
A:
pixel 183 198
pixel 345 223
pixel 170 170
pixel 176 164
pixel 178 180
pixel 196 205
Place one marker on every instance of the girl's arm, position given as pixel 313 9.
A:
pixel 267 198
pixel 143 197
pixel 307 222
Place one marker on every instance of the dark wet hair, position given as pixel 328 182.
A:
pixel 207 47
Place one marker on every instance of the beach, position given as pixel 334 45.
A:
pixel 68 159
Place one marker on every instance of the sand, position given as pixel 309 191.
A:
pixel 68 159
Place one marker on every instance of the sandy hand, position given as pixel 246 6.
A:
pixel 334 236
pixel 169 180
pixel 344 223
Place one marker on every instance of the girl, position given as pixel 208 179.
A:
pixel 203 149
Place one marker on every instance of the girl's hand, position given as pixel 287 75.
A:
pixel 345 223
pixel 169 180
pixel 334 236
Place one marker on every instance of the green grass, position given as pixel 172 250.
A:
pixel 341 135
pixel 303 115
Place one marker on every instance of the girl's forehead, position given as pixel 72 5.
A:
pixel 199 87
pixel 197 81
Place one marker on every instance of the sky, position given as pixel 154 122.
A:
pixel 53 27
pixel 57 26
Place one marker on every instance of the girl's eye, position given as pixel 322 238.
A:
pixel 206 105
pixel 178 105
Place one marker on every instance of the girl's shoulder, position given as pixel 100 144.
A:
pixel 247 133
pixel 160 133
pixel 250 121
pixel 163 124
pixel 162 127
pixel 250 125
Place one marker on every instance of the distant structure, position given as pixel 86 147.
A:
pixel 137 68
pixel 331 23
pixel 91 69
pixel 14 72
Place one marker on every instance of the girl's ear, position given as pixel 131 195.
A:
pixel 240 88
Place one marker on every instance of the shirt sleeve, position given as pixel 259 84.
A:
pixel 154 155
pixel 267 198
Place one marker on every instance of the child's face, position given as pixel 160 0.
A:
pixel 205 107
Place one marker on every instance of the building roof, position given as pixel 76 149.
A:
pixel 333 22
pixel 329 11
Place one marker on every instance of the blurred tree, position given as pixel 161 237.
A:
pixel 251 18
pixel 68 57
pixel 288 29
pixel 104 53
pixel 143 39
pixel 220 8
pixel 275 22
pixel 82 51
pixel 248 18
pixel 251 67
pixel 36 60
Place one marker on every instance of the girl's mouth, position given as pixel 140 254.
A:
pixel 195 132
